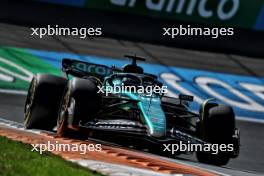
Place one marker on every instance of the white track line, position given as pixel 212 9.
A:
pixel 118 170
pixel 246 119
pixel 16 125
pixel 202 168
pixel 16 92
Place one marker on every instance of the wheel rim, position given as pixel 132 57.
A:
pixel 62 115
pixel 29 101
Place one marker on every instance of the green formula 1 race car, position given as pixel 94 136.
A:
pixel 92 100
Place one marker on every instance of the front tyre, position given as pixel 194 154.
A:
pixel 80 103
pixel 217 127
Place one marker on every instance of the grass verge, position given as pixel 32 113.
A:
pixel 17 159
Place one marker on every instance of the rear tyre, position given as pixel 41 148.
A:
pixel 85 99
pixel 217 127
pixel 42 102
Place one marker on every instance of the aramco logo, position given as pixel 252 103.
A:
pixel 225 9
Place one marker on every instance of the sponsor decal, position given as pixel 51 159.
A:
pixel 91 68
pixel 193 6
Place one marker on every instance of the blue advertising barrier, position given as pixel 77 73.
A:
pixel 79 3
pixel 260 20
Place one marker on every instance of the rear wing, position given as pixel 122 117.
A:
pixel 80 69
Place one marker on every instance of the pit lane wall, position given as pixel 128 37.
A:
pixel 237 13
pixel 244 93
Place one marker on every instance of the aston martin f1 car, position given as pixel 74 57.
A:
pixel 84 103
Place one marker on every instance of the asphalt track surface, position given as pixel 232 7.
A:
pixel 252 134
